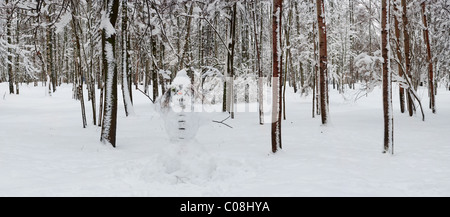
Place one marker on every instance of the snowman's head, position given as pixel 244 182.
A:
pixel 179 94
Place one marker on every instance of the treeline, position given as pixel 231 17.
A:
pixel 143 44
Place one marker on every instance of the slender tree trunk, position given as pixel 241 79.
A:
pixel 130 70
pixel 407 55
pixel 185 60
pixel 277 75
pixel 78 68
pixel 370 28
pixel 102 83
pixel 426 37
pixel 16 64
pixel 200 33
pixel 354 75
pixel 9 39
pixel 50 60
pixel 399 56
pixel 147 76
pixel 161 62
pixel 258 68
pixel 125 69
pixel 314 92
pixel 230 68
pixel 300 74
pixel 315 69
pixel 187 53
pixel 66 59
pixel 110 110
pixel 233 95
pixel 387 80
pixel 323 61
pixel 288 58
pixel 155 83
pixel 92 74
pixel 295 78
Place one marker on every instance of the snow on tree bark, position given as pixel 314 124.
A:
pixel 109 127
pixel 277 76
pixel 387 80
pixel 125 70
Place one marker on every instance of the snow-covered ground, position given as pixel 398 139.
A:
pixel 44 151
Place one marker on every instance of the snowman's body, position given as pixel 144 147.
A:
pixel 176 104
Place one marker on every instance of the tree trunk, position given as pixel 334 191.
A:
pixel 78 85
pixel 147 77
pixel 185 60
pixel 399 56
pixel 288 58
pixel 387 80
pixel 9 36
pixel 101 82
pixel 155 83
pixel 125 69
pixel 323 61
pixel 426 37
pixel 130 70
pixel 315 69
pixel 407 55
pixel 230 68
pixel 354 76
pixel 161 62
pixel 92 72
pixel 314 90
pixel 110 110
pixel 50 65
pixel 258 68
pixel 16 63
pixel 277 75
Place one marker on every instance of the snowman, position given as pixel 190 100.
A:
pixel 184 158
pixel 177 109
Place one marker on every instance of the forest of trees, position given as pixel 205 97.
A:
pixel 309 45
